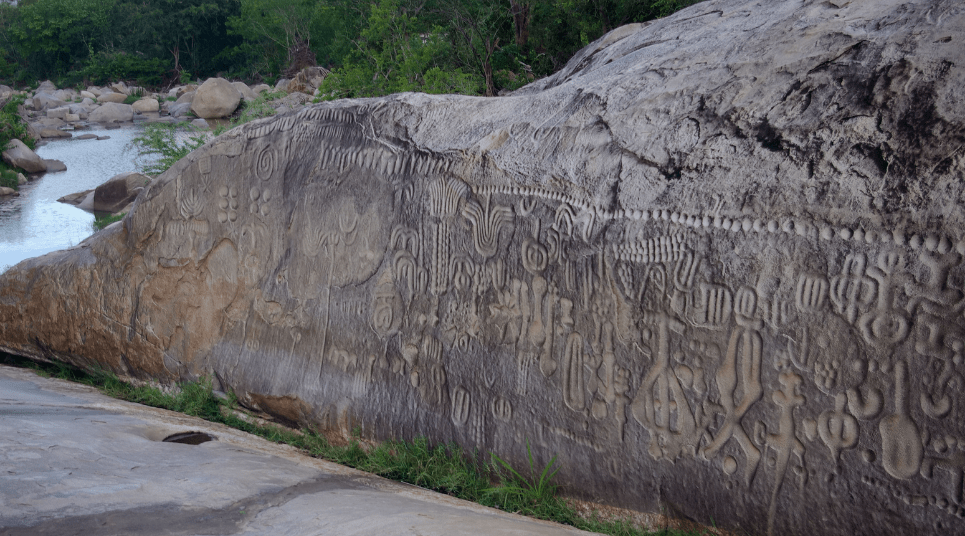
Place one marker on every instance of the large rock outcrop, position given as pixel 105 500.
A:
pixel 714 264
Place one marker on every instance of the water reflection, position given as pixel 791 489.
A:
pixel 35 223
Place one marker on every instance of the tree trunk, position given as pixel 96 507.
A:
pixel 521 19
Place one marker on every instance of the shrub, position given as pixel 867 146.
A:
pixel 12 125
pixel 104 67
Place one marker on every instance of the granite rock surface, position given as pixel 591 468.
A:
pixel 714 265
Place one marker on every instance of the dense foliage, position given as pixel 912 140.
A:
pixel 374 46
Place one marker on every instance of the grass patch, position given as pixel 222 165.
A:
pixel 8 177
pixel 163 144
pixel 131 99
pixel 103 221
pixel 12 126
pixel 442 468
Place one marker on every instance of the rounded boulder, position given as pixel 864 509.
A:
pixel 215 98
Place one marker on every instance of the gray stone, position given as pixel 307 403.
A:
pixel 118 192
pixel 54 133
pixel 21 179
pixel 95 91
pixel 714 264
pixel 180 109
pixel 72 118
pixel 121 87
pixel 54 166
pixel 185 97
pixel 88 95
pixel 246 92
pixel 146 105
pixel 87 137
pixel 112 112
pixel 42 101
pixel 307 80
pixel 261 88
pixel 58 113
pixel 111 97
pixel 4 192
pixel 20 156
pixel 282 84
pixel 215 98
pixel 46 87
pixel 200 123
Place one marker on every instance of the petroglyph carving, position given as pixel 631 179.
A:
pixel 885 325
pixel 487 222
pixel 266 162
pixel 901 448
pixel 852 290
pixel 812 292
pixel 660 404
pixel 742 365
pixel 502 409
pixel 785 442
pixel 573 368
pixel 461 405
pixel 227 204
pixel 837 428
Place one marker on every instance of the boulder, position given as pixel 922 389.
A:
pixel 246 92
pixel 186 97
pixel 54 166
pixel 121 87
pixel 18 155
pixel 282 84
pixel 200 123
pixel 112 97
pixel 260 88
pixel 87 137
pixel 54 133
pixel 180 110
pixel 72 118
pixel 307 80
pixel 58 113
pixel 95 91
pixel 42 101
pixel 4 191
pixel 146 105
pixel 21 179
pixel 215 98
pixel 713 267
pixel 112 196
pixel 88 95
pixel 46 87
pixel 112 112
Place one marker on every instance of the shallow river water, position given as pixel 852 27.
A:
pixel 35 223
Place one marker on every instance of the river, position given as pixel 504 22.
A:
pixel 35 223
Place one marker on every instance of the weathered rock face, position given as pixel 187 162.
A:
pixel 112 112
pixel 215 98
pixel 146 106
pixel 715 265
pixel 18 155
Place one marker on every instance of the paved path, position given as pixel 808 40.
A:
pixel 73 461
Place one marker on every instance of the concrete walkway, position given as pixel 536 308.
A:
pixel 73 461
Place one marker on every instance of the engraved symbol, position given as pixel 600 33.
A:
pixel 812 292
pixel 852 288
pixel 461 405
pixel 785 441
pixel 227 204
pixel 660 396
pixel 190 205
pixel 487 222
pixel 901 448
pixel 837 429
pixel 715 308
pixel 884 325
pixel 535 256
pixel 265 163
pixel 502 409
pixel 573 363
pixel 259 202
pixel 745 347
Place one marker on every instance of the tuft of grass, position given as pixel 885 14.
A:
pixel 101 222
pixel 131 99
pixel 8 177
pixel 161 145
pixel 442 468
pixel 12 126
